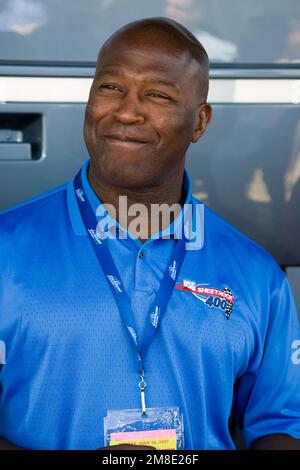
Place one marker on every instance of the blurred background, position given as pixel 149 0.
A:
pixel 246 168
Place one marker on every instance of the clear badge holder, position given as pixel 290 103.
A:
pixel 161 428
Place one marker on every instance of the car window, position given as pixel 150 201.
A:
pixel 73 30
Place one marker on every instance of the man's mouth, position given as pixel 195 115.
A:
pixel 125 140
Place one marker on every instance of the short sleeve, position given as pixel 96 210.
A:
pixel 267 399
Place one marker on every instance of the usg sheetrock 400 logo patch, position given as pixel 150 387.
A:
pixel 210 296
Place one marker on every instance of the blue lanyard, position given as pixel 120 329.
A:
pixel 111 273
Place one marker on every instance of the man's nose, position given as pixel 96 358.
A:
pixel 129 110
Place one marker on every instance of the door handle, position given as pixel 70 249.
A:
pixel 21 136
pixel 15 151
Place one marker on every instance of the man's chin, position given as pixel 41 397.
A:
pixel 126 175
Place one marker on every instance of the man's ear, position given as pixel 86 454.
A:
pixel 204 117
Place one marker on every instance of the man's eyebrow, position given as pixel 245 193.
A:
pixel 150 79
pixel 162 81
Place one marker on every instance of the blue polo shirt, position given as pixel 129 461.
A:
pixel 67 358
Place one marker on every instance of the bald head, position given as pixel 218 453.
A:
pixel 163 33
pixel 147 104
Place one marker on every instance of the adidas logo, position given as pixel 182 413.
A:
pixel 172 270
pixel 115 282
pixel 154 317
pixel 95 236
pixel 80 194
pixel 133 334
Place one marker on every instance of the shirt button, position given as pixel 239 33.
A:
pixel 141 255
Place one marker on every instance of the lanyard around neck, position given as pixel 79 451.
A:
pixel 113 278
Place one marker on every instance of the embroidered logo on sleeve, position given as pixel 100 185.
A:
pixel 2 353
pixel 210 296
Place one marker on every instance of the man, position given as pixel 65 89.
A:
pixel 79 305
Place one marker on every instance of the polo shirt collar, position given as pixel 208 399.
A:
pixel 78 225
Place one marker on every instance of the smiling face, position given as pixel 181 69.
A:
pixel 144 109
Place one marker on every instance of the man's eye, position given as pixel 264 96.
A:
pixel 108 86
pixel 154 94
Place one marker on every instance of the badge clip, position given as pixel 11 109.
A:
pixel 142 386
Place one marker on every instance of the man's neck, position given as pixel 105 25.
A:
pixel 127 202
